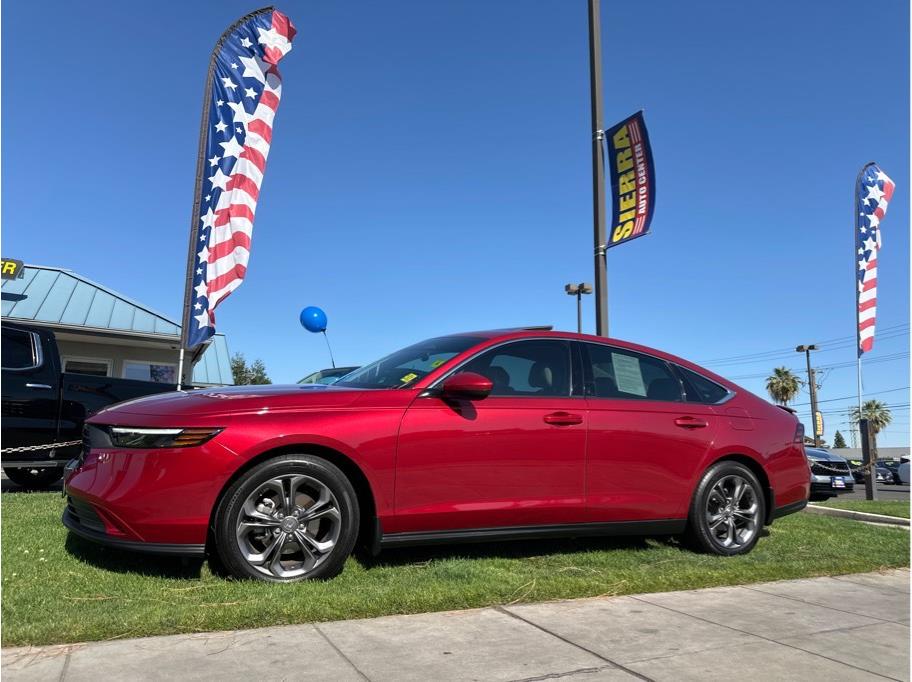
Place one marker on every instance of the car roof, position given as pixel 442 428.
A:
pixel 548 332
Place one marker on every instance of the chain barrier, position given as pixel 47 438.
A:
pixel 844 472
pixel 48 446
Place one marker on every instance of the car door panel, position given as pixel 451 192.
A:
pixel 645 442
pixel 641 462
pixel 515 458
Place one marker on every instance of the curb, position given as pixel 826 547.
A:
pixel 857 515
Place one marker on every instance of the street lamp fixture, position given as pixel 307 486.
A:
pixel 578 290
pixel 812 384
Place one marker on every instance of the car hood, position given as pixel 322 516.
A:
pixel 822 455
pixel 234 399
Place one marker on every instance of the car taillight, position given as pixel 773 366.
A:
pixel 799 434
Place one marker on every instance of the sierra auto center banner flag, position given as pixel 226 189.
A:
pixel 628 158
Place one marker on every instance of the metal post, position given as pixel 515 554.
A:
pixel 869 457
pixel 812 382
pixel 579 311
pixel 598 170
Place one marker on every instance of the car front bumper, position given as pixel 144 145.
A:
pixel 151 500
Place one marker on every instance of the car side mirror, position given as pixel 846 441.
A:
pixel 466 386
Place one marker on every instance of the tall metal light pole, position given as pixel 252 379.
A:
pixel 812 383
pixel 578 290
pixel 598 170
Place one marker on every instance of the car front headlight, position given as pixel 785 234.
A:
pixel 142 437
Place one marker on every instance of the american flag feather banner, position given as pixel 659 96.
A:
pixel 242 95
pixel 873 192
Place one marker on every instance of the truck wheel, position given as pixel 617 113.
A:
pixel 33 478
pixel 289 518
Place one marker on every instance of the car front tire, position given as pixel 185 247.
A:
pixel 290 518
pixel 727 511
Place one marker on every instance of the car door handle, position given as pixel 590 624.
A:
pixel 39 387
pixel 563 419
pixel 691 423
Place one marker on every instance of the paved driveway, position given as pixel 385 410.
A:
pixel 853 627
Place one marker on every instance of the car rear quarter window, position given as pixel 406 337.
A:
pixel 525 368
pixel 18 349
pixel 699 389
pixel 623 374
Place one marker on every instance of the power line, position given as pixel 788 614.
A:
pixel 779 355
pixel 839 365
pixel 853 397
pixel 839 339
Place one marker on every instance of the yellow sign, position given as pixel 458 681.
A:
pixel 11 268
pixel 818 423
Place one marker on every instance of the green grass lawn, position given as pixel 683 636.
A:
pixel 60 589
pixel 887 507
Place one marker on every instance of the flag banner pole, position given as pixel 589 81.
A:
pixel 598 169
pixel 242 93
pixel 873 192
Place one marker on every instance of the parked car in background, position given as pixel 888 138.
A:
pixel 41 406
pixel 327 376
pixel 830 474
pixel 882 473
pixel 484 436
pixel 893 467
pixel 904 470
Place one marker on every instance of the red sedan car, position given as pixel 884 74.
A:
pixel 479 436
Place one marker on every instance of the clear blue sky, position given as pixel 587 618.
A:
pixel 430 171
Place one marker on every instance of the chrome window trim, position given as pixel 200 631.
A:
pixel 729 394
pixel 37 353
pixel 432 389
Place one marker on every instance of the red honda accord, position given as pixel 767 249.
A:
pixel 482 436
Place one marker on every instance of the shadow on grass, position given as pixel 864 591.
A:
pixel 512 549
pixel 121 561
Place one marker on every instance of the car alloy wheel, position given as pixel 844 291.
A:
pixel 733 512
pixel 292 517
pixel 728 510
pixel 288 526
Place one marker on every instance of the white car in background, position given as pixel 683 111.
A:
pixel 904 470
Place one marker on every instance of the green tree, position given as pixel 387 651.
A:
pixel 877 414
pixel 244 374
pixel 838 441
pixel 783 385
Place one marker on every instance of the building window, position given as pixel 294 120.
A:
pixel 96 367
pixel 160 373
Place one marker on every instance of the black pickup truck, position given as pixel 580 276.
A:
pixel 43 407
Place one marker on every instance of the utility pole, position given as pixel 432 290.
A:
pixel 578 290
pixel 869 457
pixel 812 384
pixel 598 170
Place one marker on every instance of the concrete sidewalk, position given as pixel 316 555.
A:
pixel 853 627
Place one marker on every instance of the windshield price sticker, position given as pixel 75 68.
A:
pixel 628 375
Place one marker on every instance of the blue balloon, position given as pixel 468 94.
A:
pixel 313 319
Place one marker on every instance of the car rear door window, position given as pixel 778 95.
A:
pixel 526 368
pixel 623 374
pixel 18 349
pixel 699 389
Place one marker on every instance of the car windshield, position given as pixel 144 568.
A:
pixel 406 366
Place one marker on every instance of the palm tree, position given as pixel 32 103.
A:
pixel 783 385
pixel 877 414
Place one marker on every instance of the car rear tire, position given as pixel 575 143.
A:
pixel 727 511
pixel 33 478
pixel 291 518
